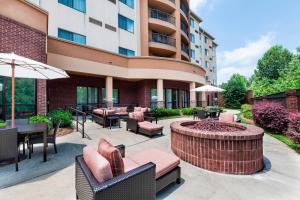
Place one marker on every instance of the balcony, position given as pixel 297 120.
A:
pixel 184 9
pixel 165 5
pixel 185 51
pixel 161 45
pixel 184 32
pixel 162 22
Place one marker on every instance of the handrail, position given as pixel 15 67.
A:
pixel 164 39
pixel 164 16
pixel 78 122
pixel 184 28
pixel 184 9
pixel 185 48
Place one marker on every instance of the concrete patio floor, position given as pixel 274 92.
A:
pixel 279 180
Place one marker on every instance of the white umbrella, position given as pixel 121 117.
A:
pixel 15 66
pixel 208 88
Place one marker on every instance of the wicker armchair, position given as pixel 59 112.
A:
pixel 135 184
pixel 9 145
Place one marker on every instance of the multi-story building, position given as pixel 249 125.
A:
pixel 203 49
pixel 127 52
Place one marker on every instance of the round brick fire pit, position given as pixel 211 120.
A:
pixel 232 149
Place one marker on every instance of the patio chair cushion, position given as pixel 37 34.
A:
pixel 123 109
pixel 98 111
pixel 129 164
pixel 226 117
pixel 165 162
pixel 144 109
pixel 139 116
pixel 150 126
pixel 110 111
pixel 97 164
pixel 137 109
pixel 113 155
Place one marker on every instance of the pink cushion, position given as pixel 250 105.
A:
pixel 110 111
pixel 97 164
pixel 144 109
pixel 123 109
pixel 150 126
pixel 139 116
pixel 165 162
pixel 113 155
pixel 137 109
pixel 129 164
pixel 226 117
pixel 98 111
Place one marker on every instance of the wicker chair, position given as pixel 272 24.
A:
pixel 39 139
pixel 21 137
pixel 9 145
pixel 201 114
pixel 139 183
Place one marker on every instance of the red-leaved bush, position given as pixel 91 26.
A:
pixel 271 116
pixel 294 127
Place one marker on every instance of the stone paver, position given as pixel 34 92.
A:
pixel 280 179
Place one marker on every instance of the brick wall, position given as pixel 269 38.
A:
pixel 28 42
pixel 289 99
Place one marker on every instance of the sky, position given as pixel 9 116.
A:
pixel 246 29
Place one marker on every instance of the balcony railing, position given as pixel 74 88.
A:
pixel 185 48
pixel 184 28
pixel 184 9
pixel 157 14
pixel 160 38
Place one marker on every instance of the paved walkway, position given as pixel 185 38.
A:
pixel 280 180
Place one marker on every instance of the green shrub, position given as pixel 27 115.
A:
pixel 163 112
pixel 41 119
pixel 246 111
pixel 187 111
pixel 2 123
pixel 61 115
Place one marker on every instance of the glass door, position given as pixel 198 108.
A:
pixel 86 96
pixel 175 102
pixel 2 98
pixel 169 98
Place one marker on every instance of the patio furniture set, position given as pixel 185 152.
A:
pixel 213 113
pixel 138 121
pixel 24 133
pixel 106 173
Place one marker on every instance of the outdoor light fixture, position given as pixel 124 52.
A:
pixel 1 87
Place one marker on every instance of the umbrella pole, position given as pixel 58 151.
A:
pixel 13 95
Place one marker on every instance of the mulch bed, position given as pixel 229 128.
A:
pixel 64 131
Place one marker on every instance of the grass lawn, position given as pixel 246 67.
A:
pixel 2 123
pixel 287 141
pixel 174 117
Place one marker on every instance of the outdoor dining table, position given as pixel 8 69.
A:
pixel 30 129
pixel 212 113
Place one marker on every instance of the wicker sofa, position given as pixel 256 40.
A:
pixel 142 182
pixel 99 115
pixel 138 122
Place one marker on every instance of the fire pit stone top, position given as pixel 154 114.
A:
pixel 236 131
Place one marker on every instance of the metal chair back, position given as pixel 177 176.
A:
pixel 201 114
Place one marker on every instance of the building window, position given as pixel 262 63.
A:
pixel 129 3
pixel 184 98
pixel 126 23
pixel 200 36
pixel 192 37
pixel 87 96
pixel 193 53
pixel 126 52
pixel 79 5
pixel 67 35
pixel 206 78
pixel 200 61
pixel 200 48
pixel 206 52
pixel 116 97
pixel 192 23
pixel 25 97
pixel 206 64
pixel 206 40
pixel 153 98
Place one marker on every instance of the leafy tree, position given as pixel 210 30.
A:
pixel 273 61
pixel 235 91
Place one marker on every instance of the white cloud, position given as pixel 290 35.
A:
pixel 196 4
pixel 243 60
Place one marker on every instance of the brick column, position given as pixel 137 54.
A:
pixel 160 93
pixel 249 97
pixel 291 100
pixel 193 101
pixel 41 99
pixel 109 91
